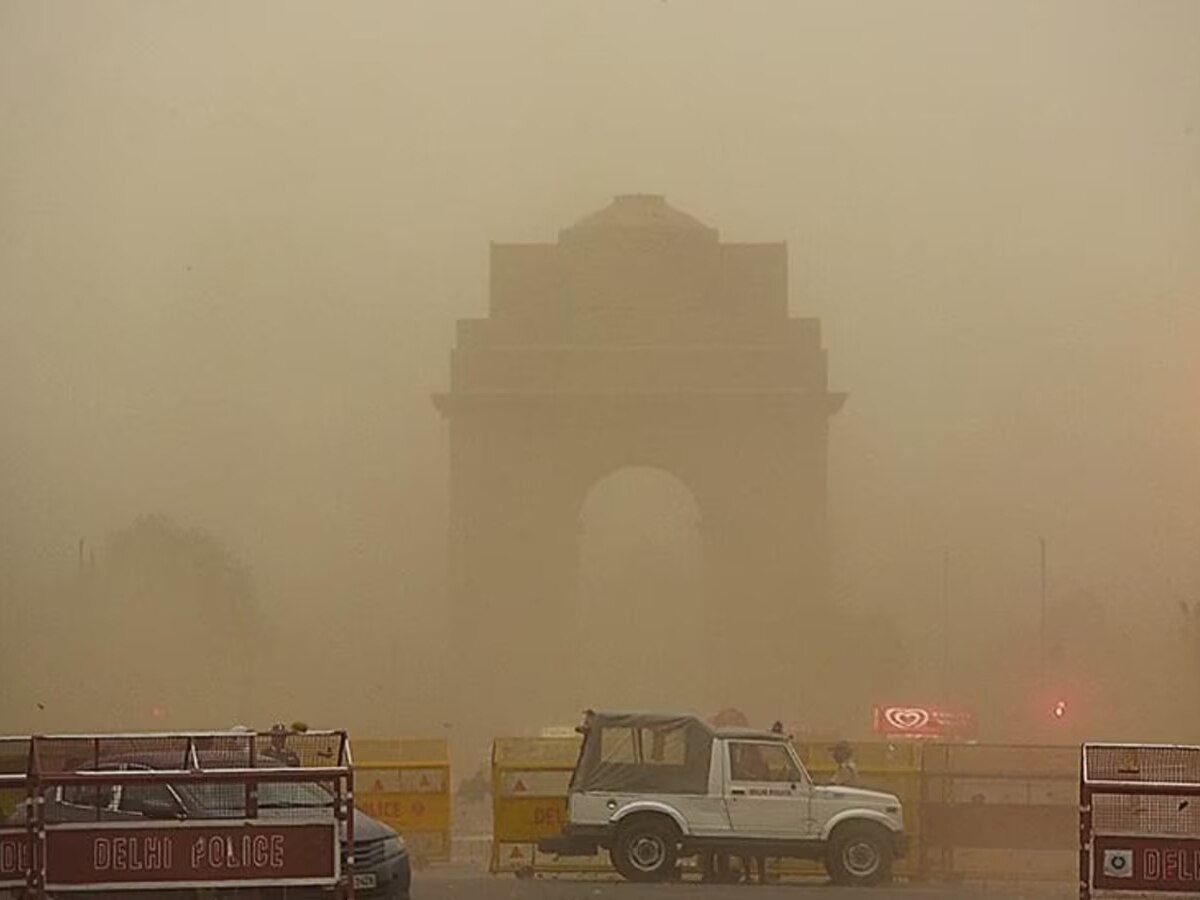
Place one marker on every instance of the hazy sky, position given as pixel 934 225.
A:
pixel 234 238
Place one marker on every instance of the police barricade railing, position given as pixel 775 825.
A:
pixel 406 784
pixel 105 812
pixel 998 812
pixel 1139 821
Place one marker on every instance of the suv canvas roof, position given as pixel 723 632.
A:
pixel 756 734
pixel 633 752
pixel 632 719
pixel 623 719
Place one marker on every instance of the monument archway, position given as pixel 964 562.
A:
pixel 639 338
pixel 641 569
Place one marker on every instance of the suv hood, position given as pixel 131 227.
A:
pixel 858 795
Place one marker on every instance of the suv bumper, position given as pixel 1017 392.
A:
pixel 900 845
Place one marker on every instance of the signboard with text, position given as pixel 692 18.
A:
pixel 179 855
pixel 923 722
pixel 1139 819
pixel 1146 864
pixel 15 856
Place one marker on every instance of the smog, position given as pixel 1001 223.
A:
pixel 246 247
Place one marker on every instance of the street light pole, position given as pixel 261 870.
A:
pixel 946 628
pixel 1042 622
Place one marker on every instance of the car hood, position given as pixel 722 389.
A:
pixel 368 829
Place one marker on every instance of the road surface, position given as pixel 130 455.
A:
pixel 461 884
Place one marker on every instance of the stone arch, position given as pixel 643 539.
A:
pixel 638 338
pixel 657 476
pixel 640 566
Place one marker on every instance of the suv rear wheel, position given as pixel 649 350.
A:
pixel 859 853
pixel 646 849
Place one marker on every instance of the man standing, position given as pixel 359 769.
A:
pixel 279 748
pixel 847 772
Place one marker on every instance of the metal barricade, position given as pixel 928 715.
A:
pixel 1139 821
pixel 216 811
pixel 992 813
pixel 406 784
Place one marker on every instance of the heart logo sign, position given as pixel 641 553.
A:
pixel 907 718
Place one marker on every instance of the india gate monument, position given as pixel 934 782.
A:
pixel 638 338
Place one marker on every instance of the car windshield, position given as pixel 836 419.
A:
pixel 293 794
pixel 227 798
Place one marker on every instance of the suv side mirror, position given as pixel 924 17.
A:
pixel 160 809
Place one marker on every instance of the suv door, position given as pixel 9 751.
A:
pixel 766 792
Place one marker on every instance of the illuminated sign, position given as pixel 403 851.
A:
pixel 923 722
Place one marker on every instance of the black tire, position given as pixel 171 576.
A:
pixel 646 849
pixel 859 853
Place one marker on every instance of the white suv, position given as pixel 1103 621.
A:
pixel 652 788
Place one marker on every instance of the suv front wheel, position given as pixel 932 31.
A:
pixel 859 853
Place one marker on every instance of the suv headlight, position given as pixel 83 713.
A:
pixel 394 846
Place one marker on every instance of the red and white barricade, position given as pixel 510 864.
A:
pixel 103 813
pixel 1139 821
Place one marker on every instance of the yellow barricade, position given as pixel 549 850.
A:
pixel 14 760
pixel 10 799
pixel 529 802
pixel 406 784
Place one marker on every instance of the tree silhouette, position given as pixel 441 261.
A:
pixel 178 610
pixel 156 561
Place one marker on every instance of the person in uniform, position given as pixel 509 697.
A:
pixel 279 748
pixel 847 772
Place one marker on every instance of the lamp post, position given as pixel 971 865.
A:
pixel 1042 618
pixel 946 628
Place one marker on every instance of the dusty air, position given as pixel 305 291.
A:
pixel 531 450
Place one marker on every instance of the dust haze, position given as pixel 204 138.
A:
pixel 235 238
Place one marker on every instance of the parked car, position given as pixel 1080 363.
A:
pixel 382 868
pixel 652 788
